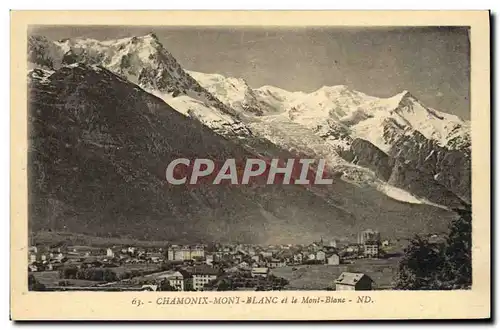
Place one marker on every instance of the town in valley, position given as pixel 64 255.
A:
pixel 366 264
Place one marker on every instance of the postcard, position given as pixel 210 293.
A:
pixel 239 165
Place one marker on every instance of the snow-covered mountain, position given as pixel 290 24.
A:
pixel 332 123
pixel 111 102
pixel 98 147
pixel 326 122
pixel 339 108
pixel 145 62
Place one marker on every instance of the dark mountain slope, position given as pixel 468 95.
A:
pixel 99 146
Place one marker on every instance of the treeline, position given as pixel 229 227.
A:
pixel 235 281
pixel 101 274
pixel 89 274
pixel 439 266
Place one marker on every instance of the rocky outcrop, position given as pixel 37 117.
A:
pixel 422 184
pixel 368 155
pixel 448 168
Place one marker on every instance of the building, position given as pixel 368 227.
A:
pixel 371 249
pixel 333 243
pixel 320 256
pixel 275 263
pixel 333 259
pixel 183 253
pixel 209 259
pixel 149 287
pixel 175 279
pixel 202 275
pixel 186 252
pixel 353 281
pixel 368 235
pixel 352 248
pixel 266 254
pixel 110 253
pixel 260 272
pixel 297 258
pixel 56 256
pixel 256 258
pixel 197 251
pixel 155 257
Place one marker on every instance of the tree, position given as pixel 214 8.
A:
pixel 457 266
pixel 427 266
pixel 69 272
pixel 165 286
pixel 225 285
pixel 419 266
pixel 34 285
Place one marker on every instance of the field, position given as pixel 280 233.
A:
pixel 52 278
pixel 120 270
pixel 320 277
pixel 47 278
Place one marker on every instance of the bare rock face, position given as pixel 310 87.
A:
pixel 420 183
pixel 368 155
pixel 448 168
pixel 419 171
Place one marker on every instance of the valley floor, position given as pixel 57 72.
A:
pixel 322 277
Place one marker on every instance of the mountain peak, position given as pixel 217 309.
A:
pixel 402 100
pixel 333 89
pixel 403 95
pixel 152 35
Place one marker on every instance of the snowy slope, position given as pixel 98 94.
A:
pixel 216 120
pixel 334 111
pixel 145 62
pixel 235 93
pixel 321 124
pixel 324 124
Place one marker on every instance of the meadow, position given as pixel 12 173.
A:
pixel 321 277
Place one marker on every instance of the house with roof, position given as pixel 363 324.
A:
pixel 260 272
pixel 209 259
pixel 297 258
pixel 333 259
pixel 275 263
pixel 353 282
pixel 371 249
pixel 110 253
pixel 266 254
pixel 320 256
pixel 202 275
pixel 174 278
pixel 149 287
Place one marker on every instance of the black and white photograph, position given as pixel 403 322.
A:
pixel 171 158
